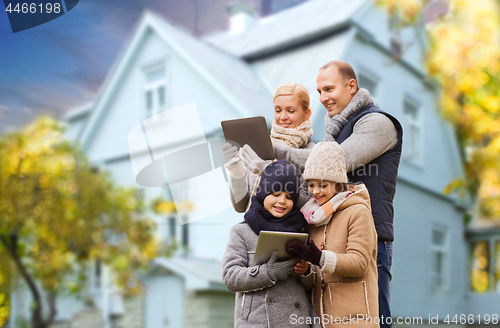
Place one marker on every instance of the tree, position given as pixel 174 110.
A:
pixel 58 213
pixel 464 57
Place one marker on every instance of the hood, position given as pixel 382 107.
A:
pixel 358 195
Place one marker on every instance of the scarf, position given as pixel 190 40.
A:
pixel 310 208
pixel 335 124
pixel 258 218
pixel 296 137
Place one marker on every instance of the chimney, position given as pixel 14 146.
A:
pixel 242 16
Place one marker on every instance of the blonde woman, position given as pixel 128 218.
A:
pixel 291 127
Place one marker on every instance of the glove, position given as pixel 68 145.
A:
pixel 309 252
pixel 231 160
pixel 280 270
pixel 252 160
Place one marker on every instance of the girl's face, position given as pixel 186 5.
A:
pixel 278 203
pixel 288 112
pixel 321 190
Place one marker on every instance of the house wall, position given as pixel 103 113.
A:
pixel 417 212
pixel 375 20
pixel 164 302
pixel 440 162
pixel 209 309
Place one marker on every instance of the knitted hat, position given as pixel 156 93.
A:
pixel 279 176
pixel 326 162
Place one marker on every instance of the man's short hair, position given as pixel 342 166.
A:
pixel 345 70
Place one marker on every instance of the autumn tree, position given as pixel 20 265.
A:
pixel 464 57
pixel 58 213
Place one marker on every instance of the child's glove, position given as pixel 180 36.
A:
pixel 280 270
pixel 252 160
pixel 309 252
pixel 231 160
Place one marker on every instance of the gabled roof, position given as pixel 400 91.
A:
pixel 289 27
pixel 231 77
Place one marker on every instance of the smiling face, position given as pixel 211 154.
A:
pixel 335 92
pixel 321 190
pixel 278 203
pixel 288 112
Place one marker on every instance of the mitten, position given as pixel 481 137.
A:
pixel 280 270
pixel 252 160
pixel 308 252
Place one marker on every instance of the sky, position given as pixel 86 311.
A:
pixel 57 66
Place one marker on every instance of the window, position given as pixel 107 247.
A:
pixel 412 121
pixel 369 82
pixel 155 90
pixel 95 276
pixel 439 259
pixel 480 267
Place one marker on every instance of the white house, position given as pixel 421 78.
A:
pixel 233 74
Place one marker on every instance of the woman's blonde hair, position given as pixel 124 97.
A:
pixel 297 90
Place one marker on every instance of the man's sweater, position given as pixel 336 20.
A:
pixel 373 135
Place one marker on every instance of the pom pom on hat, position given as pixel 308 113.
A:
pixel 326 162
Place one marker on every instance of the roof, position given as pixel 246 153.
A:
pixel 288 28
pixel 199 274
pixel 228 75
pixel 236 75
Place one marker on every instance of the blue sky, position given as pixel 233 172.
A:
pixel 56 66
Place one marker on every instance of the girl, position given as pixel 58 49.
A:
pixel 268 295
pixel 291 127
pixel 346 289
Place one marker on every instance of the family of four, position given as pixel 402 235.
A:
pixel 340 191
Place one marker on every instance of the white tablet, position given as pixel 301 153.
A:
pixel 270 241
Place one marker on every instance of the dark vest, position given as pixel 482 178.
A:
pixel 379 175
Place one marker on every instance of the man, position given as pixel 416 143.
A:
pixel 371 140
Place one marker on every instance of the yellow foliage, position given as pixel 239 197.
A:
pixel 63 214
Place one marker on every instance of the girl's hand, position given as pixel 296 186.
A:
pixel 302 267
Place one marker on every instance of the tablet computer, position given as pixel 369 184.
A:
pixel 250 131
pixel 270 241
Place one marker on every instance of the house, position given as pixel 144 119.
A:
pixel 233 74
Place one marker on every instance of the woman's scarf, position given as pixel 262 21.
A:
pixel 296 137
pixel 258 218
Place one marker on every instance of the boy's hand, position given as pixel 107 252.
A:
pixel 302 267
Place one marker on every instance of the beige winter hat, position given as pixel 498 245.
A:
pixel 326 162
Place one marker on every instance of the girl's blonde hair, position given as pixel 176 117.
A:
pixel 297 90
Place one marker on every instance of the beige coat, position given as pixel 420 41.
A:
pixel 347 286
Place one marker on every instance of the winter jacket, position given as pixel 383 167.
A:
pixel 260 301
pixel 346 284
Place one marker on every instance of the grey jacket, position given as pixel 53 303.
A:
pixel 260 301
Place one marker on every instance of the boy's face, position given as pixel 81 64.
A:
pixel 321 190
pixel 278 203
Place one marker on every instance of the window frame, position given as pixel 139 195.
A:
pixel 367 75
pixel 153 88
pixel 444 249
pixel 492 241
pixel 409 124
